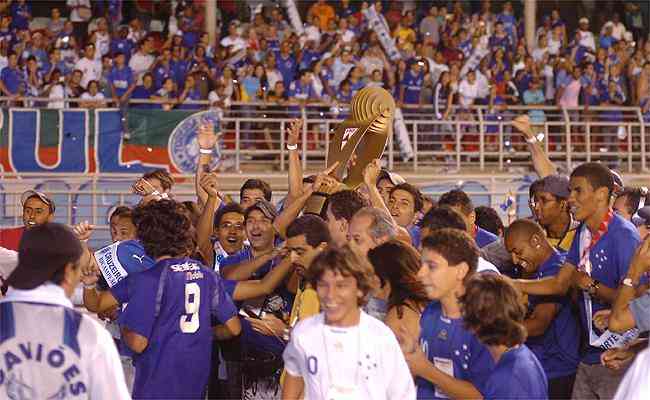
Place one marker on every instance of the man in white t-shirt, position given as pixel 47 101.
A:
pixel 233 40
pixel 326 356
pixel 142 60
pixel 586 36
pixel 89 66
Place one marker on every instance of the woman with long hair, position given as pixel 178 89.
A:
pixel 396 265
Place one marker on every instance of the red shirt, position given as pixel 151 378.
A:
pixel 10 237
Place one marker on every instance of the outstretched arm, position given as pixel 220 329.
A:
pixel 542 164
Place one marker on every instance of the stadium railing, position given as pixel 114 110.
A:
pixel 474 139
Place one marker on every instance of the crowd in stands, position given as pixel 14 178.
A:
pixel 448 53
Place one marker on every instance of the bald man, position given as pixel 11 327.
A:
pixel 553 333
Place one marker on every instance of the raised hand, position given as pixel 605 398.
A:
pixel 210 183
pixel 83 230
pixel 207 137
pixel 293 132
pixel 522 123
pixel 142 187
pixel 371 172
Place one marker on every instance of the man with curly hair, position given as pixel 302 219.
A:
pixel 168 320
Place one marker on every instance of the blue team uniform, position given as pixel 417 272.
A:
pixel 446 342
pixel 517 375
pixel 173 305
pixel 124 46
pixel 287 67
pixel 558 348
pixel 121 79
pixel 610 259
pixel 412 85
pixel 141 92
pixel 13 79
pixel 483 237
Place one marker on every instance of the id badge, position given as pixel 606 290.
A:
pixel 336 392
pixel 447 366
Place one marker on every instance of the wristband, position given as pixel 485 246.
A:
pixel 532 140
pixel 89 287
pixel 292 147
pixel 205 151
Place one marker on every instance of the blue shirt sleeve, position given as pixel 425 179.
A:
pixel 121 291
pixel 222 306
pixel 627 246
pixel 640 308
pixel 139 315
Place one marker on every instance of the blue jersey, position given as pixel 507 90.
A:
pixel 245 255
pixel 287 67
pixel 13 79
pixel 483 237
pixel 124 46
pixel 412 85
pixel 173 305
pixel 453 350
pixel 141 92
pixel 121 79
pixel 610 259
pixel 517 375
pixel 557 349
pixel 301 92
pixel 162 72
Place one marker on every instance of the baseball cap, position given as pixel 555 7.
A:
pixel 618 180
pixel 583 20
pixel 263 206
pixel 394 178
pixel 43 251
pixel 44 198
pixel 556 185
pixel 642 217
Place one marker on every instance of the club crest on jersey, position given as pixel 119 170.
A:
pixel 347 134
pixel 183 145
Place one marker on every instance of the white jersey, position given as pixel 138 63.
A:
pixel 51 351
pixel 8 262
pixel 330 358
pixel 635 384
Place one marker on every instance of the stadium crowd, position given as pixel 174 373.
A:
pixel 378 292
pixel 448 53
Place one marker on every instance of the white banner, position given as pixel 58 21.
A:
pixel 294 17
pixel 402 135
pixel 378 24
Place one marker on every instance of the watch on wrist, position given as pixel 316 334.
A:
pixel 532 140
pixel 292 147
pixel 593 288
pixel 205 151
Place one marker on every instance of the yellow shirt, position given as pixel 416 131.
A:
pixel 564 244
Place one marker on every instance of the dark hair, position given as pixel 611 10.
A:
pixel 164 228
pixel 596 174
pixel 227 209
pixel 492 310
pixel 535 187
pixel 122 212
pixel 455 246
pixel 347 263
pixel 257 184
pixel 418 201
pixel 344 204
pixel 488 219
pixel 166 180
pixel 632 198
pixel 442 217
pixel 457 198
pixel 398 263
pixel 312 226
pixel 193 210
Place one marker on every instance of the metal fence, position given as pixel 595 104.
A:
pixel 475 139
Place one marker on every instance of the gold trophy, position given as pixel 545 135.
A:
pixel 363 134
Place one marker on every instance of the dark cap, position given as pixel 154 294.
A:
pixel 556 185
pixel 264 207
pixel 43 251
pixel 642 217
pixel 42 196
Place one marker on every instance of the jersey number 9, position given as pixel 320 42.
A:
pixel 190 320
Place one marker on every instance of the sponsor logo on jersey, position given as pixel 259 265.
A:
pixel 21 360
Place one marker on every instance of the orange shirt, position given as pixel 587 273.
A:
pixel 324 12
